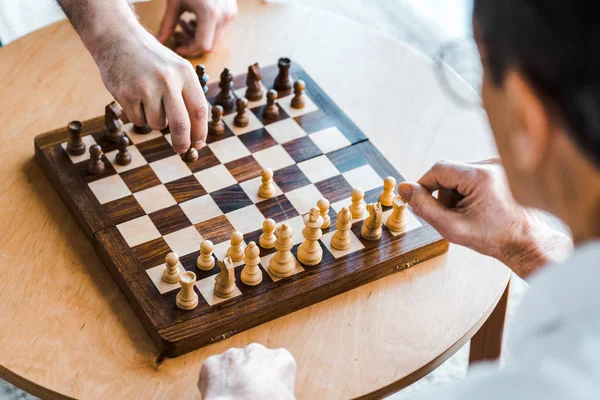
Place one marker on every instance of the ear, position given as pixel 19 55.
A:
pixel 531 122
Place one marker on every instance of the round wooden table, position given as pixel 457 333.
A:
pixel 67 331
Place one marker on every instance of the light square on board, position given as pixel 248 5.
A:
pixel 154 199
pixel 137 159
pixel 136 137
pixel 229 149
pixel 355 244
pixel 206 287
pixel 138 231
pixel 253 123
pixel 304 198
pixel 215 178
pixel 329 140
pixel 411 221
pixel 264 261
pixel 286 104
pixel 184 241
pixel 274 157
pixel 220 251
pixel 89 141
pixel 251 104
pixel 318 168
pixel 364 177
pixel 247 219
pixel 155 274
pixel 285 131
pixel 251 187
pixel 201 209
pixel 109 189
pixel 170 169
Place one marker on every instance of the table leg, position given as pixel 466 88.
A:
pixel 486 345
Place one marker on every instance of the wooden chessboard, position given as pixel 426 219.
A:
pixel 137 214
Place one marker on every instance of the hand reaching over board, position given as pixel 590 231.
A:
pixel 254 372
pixel 476 209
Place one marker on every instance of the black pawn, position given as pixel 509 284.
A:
pixel 283 83
pixel 96 164
pixel 75 146
pixel 271 110
pixel 241 119
pixel 123 156
pixel 202 77
pixel 225 98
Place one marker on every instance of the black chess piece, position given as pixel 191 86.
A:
pixel 271 111
pixel 123 156
pixel 241 119
pixel 75 146
pixel 202 77
pixel 96 164
pixel 225 98
pixel 283 82
pixel 254 91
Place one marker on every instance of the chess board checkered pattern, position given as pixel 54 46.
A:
pixel 159 203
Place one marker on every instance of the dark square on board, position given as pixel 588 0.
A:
pixel 211 137
pixel 170 219
pixel 290 178
pixel 185 189
pixel 258 140
pixel 259 112
pixel 314 122
pixel 122 210
pixel 302 149
pixel 335 188
pixel 206 159
pixel 152 253
pixel 231 198
pixel 277 208
pixel 244 168
pixel 156 149
pixel 217 229
pixel 88 177
pixel 140 178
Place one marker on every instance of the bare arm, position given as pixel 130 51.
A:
pixel 153 84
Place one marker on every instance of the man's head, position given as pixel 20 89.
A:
pixel 541 91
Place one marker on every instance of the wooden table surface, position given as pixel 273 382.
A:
pixel 67 331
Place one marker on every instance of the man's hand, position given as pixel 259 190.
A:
pixel 475 209
pixel 201 35
pixel 253 372
pixel 152 84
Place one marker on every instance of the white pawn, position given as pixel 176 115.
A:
pixel 282 263
pixel 174 268
pixel 396 222
pixel 236 250
pixel 357 208
pixel 267 239
pixel 266 189
pixel 225 280
pixel 187 299
pixel 387 197
pixel 323 205
pixel 341 239
pixel 206 261
pixel 310 252
pixel 251 274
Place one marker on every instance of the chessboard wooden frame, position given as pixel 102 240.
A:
pixel 176 332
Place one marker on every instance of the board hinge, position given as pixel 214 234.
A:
pixel 225 335
pixel 408 264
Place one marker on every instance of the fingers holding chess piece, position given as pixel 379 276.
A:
pixel 271 111
pixel 187 299
pixel 216 125
pixel 96 164
pixel 251 274
pixel 206 261
pixel 323 206
pixel 174 268
pixel 142 129
pixel 283 263
pixel 267 239
pixel 123 157
pixel 241 119
pixel 112 120
pixel 387 197
pixel 75 146
pixel 371 229
pixel 236 250
pixel 266 189
pixel 396 222
pixel 341 239
pixel 225 280
pixel 298 101
pixel 310 252
pixel 190 156
pixel 357 208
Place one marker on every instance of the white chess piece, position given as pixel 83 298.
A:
pixel 267 239
pixel 266 189
pixel 174 268
pixel 236 250
pixel 225 280
pixel 387 197
pixel 357 208
pixel 251 274
pixel 396 222
pixel 341 239
pixel 283 263
pixel 323 205
pixel 310 252
pixel 187 299
pixel 206 261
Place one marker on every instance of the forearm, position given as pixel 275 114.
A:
pixel 100 22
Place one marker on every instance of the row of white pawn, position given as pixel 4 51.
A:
pixel 283 263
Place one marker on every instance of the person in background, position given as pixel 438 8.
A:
pixel 153 84
pixel 541 92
